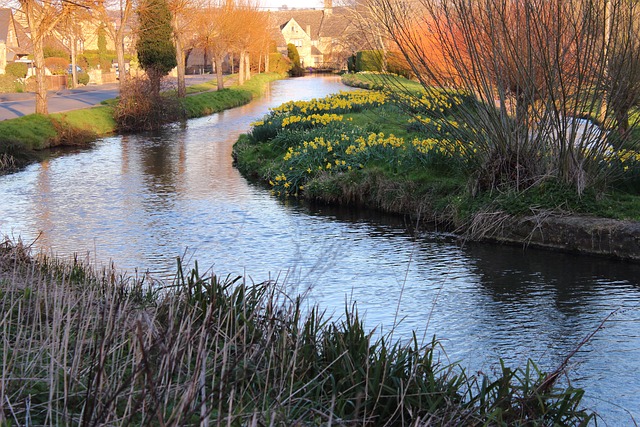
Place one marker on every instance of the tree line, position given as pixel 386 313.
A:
pixel 165 32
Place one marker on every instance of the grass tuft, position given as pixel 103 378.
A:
pixel 92 347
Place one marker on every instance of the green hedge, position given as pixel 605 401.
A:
pixel 16 69
pixel 369 60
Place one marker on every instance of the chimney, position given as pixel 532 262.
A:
pixel 328 7
pixel 309 30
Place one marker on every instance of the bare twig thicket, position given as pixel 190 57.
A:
pixel 553 83
pixel 142 108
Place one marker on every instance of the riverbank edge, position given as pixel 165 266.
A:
pixel 547 229
pixel 563 232
pixel 24 139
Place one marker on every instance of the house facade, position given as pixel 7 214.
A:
pixel 15 45
pixel 323 37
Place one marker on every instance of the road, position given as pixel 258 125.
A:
pixel 14 105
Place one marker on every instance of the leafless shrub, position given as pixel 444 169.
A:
pixel 142 107
pixel 534 67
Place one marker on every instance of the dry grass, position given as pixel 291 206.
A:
pixel 86 347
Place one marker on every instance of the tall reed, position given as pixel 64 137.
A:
pixel 90 347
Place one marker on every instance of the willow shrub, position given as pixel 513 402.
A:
pixel 90 347
pixel 141 107
pixel 537 70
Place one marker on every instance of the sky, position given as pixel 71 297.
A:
pixel 298 4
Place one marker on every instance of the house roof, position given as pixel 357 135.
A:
pixel 307 19
pixel 336 23
pixel 7 22
pixel 318 21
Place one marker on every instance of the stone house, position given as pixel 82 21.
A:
pixel 15 44
pixel 323 37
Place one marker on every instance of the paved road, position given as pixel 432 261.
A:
pixel 14 105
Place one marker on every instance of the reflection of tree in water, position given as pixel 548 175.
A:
pixel 43 206
pixel 160 157
pixel 512 274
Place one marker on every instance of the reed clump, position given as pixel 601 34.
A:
pixel 82 346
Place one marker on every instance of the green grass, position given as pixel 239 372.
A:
pixel 89 347
pixel 381 81
pixel 204 104
pixel 258 83
pixel 98 120
pixel 33 131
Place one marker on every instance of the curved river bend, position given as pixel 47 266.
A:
pixel 141 201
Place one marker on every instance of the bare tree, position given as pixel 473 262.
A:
pixel 184 13
pixel 249 26
pixel 42 18
pixel 216 35
pixel 103 12
pixel 623 71
pixel 71 31
pixel 534 70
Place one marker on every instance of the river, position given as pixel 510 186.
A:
pixel 141 201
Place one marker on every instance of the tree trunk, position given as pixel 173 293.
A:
pixel 155 81
pixel 266 62
pixel 182 87
pixel 241 74
pixel 247 66
pixel 122 70
pixel 74 71
pixel 41 82
pixel 218 66
pixel 622 117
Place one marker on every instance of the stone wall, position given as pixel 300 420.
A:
pixel 596 236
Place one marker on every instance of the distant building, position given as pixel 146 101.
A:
pixel 15 44
pixel 320 35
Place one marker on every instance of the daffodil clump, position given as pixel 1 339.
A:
pixel 297 115
pixel 340 103
pixel 351 151
pixel 435 102
pixel 318 139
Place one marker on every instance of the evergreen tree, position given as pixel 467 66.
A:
pixel 156 52
pixel 296 69
pixel 102 49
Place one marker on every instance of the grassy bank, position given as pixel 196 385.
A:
pixel 21 138
pixel 386 151
pixel 90 347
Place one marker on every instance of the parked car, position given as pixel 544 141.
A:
pixel 70 69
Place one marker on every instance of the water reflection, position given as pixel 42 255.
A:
pixel 143 200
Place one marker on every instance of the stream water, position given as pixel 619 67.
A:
pixel 141 201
